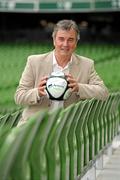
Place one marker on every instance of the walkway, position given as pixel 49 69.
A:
pixel 107 166
pixel 111 170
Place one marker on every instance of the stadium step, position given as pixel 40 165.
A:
pixel 111 170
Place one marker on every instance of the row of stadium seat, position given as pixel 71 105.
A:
pixel 50 5
pixel 14 56
pixel 58 145
pixel 10 119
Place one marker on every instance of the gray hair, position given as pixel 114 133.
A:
pixel 66 25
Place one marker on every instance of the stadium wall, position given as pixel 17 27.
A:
pixel 33 20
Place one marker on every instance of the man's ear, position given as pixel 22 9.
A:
pixel 53 41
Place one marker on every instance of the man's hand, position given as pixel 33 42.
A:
pixel 42 86
pixel 73 84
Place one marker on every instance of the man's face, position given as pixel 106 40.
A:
pixel 65 42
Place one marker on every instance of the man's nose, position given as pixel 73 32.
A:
pixel 65 43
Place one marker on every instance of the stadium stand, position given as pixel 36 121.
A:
pixel 93 16
pixel 55 6
pixel 68 144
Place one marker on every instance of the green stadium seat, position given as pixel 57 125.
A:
pixel 113 115
pixel 91 129
pixel 39 156
pixel 86 132
pixel 4 131
pixel 79 132
pixel 96 127
pixel 50 6
pixel 107 117
pixel 101 124
pixel 14 119
pixel 15 151
pixel 24 6
pixel 4 119
pixel 117 115
pixel 103 4
pixel 52 149
pixel 10 119
pixel 72 143
pixel 110 118
pixel 67 118
pixel 81 5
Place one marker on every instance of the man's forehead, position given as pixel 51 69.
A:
pixel 62 32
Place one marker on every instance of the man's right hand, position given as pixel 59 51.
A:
pixel 42 86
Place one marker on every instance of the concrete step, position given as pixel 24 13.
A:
pixel 111 170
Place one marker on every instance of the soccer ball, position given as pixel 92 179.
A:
pixel 57 86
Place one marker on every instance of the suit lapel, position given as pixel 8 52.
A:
pixel 48 64
pixel 75 67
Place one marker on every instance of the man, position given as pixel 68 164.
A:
pixel 84 82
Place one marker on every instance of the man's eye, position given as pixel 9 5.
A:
pixel 61 39
pixel 71 40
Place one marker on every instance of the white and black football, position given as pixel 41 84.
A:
pixel 57 86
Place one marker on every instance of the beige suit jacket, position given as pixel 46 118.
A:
pixel 37 66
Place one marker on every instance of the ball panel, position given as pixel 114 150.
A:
pixel 56 86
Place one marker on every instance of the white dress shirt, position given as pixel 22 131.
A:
pixel 56 68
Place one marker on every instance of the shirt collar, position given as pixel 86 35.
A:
pixel 55 61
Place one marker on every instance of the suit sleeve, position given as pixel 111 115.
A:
pixel 95 88
pixel 27 93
